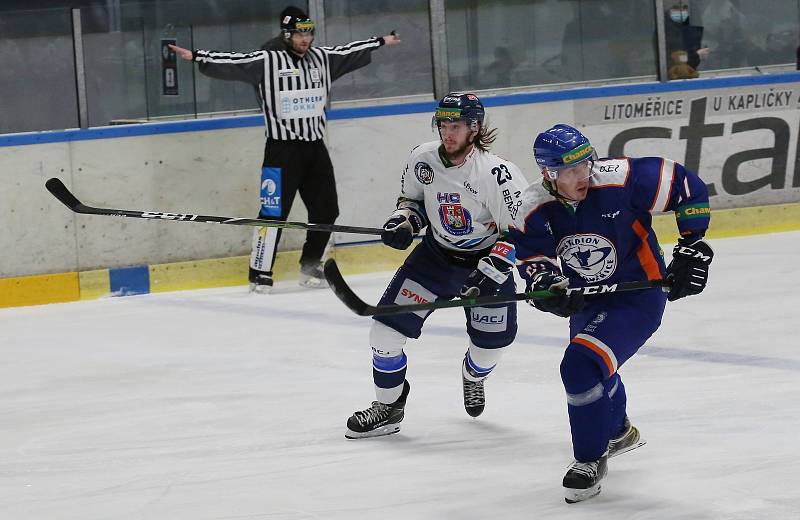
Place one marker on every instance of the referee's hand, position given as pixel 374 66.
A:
pixel 186 54
pixel 391 39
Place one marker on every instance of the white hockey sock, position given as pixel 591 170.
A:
pixel 481 362
pixel 388 361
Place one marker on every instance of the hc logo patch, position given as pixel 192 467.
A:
pixel 454 218
pixel 271 205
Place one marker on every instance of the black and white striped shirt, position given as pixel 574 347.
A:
pixel 293 90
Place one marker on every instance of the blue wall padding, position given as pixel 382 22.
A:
pixel 129 280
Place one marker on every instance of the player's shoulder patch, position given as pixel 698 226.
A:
pixel 610 172
pixel 420 161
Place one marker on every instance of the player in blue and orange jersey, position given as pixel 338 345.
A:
pixel 589 221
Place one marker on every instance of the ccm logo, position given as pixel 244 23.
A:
pixel 593 289
pixel 168 216
pixel 688 251
pixel 411 295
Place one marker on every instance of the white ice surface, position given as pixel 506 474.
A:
pixel 217 404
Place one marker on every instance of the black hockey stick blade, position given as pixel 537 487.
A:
pixel 59 191
pixel 360 307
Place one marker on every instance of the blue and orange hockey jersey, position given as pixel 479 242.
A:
pixel 608 237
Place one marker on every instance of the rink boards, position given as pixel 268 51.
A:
pixel 355 259
pixel 740 133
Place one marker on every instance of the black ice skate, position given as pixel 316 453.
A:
pixel 474 396
pixel 582 480
pixel 628 440
pixel 260 282
pixel 378 419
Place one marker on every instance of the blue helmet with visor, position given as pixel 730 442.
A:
pixel 561 147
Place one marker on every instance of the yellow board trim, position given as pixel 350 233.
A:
pixel 198 274
pixel 736 222
pixel 39 289
pixel 94 284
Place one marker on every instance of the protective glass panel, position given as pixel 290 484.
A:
pixel 37 78
pixel 126 68
pixel 400 70
pixel 505 43
pixel 712 35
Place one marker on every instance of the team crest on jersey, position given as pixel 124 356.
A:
pixel 455 219
pixel 592 256
pixel 424 172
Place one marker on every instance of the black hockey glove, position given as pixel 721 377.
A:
pixel 562 304
pixel 399 230
pixel 491 273
pixel 687 274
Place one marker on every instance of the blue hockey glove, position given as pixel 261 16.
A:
pixel 491 273
pixel 687 274
pixel 561 304
pixel 400 228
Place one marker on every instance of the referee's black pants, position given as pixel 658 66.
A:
pixel 306 169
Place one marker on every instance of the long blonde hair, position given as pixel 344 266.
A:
pixel 486 136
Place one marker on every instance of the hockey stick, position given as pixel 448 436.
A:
pixel 59 191
pixel 360 307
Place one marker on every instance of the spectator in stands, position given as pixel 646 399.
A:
pixel 680 35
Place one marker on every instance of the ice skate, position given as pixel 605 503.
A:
pixel 628 440
pixel 582 480
pixel 261 283
pixel 312 276
pixel 379 419
pixel 474 396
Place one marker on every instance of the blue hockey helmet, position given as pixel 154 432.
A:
pixel 457 106
pixel 561 147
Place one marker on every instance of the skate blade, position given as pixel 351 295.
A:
pixel 638 444
pixel 311 282
pixel 572 496
pixel 260 289
pixel 378 432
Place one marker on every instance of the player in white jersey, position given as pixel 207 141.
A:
pixel 466 197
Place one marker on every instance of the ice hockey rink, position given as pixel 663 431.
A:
pixel 217 404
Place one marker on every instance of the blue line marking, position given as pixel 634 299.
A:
pixel 126 281
pixel 199 125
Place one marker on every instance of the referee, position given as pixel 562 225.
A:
pixel 293 83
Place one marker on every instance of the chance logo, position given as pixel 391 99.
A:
pixel 592 256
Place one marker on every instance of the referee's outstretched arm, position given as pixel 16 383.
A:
pixel 247 67
pixel 354 55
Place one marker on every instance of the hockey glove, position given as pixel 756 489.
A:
pixel 561 303
pixel 491 273
pixel 399 230
pixel 687 274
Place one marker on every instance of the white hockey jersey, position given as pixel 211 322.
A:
pixel 467 206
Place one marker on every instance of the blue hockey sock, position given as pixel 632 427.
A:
pixel 588 405
pixel 616 392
